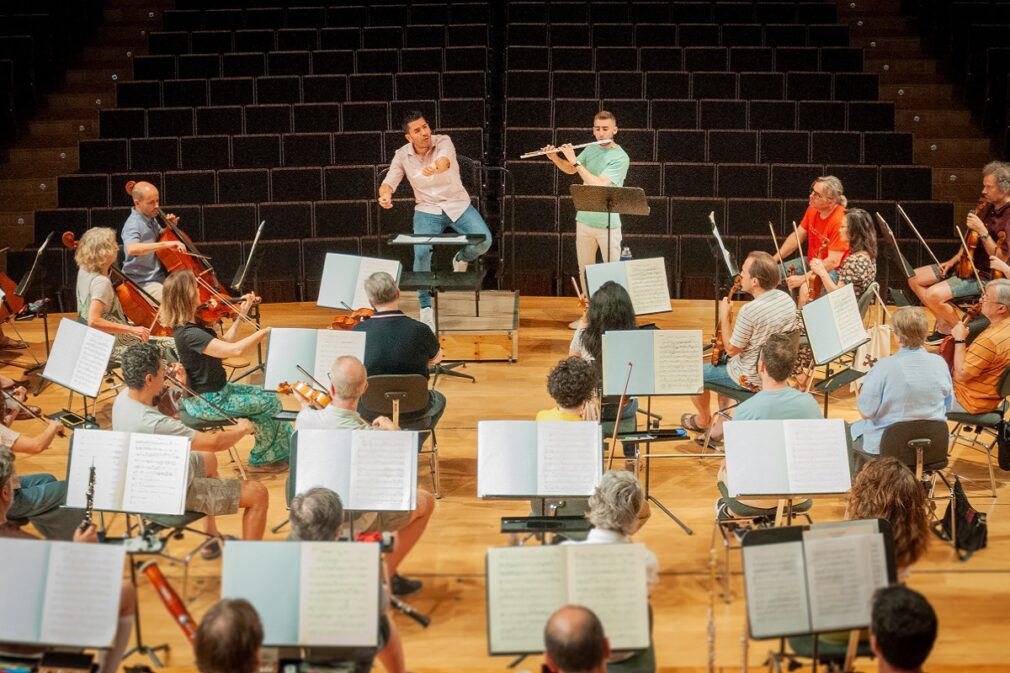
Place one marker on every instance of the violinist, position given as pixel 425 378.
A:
pixel 201 352
pixel 820 224
pixel 772 311
pixel 977 367
pixel 397 344
pixel 97 303
pixel 140 241
pixel 932 284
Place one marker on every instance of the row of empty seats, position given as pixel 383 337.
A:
pixel 735 33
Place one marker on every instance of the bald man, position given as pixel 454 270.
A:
pixel 140 240
pixel 574 641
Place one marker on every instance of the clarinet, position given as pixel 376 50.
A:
pixel 89 508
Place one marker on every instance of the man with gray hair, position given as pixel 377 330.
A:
pixel 574 641
pixel 937 284
pixel 348 382
pixel 397 344
pixel 818 227
pixel 140 233
pixel 977 368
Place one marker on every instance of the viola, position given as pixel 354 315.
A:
pixel 1002 253
pixel 138 306
pixel 965 267
pixel 947 345
pixel 346 322
pixel 317 398
pixel 816 285
pixel 718 347
pixel 12 303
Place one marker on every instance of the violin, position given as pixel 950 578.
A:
pixel 718 347
pixel 816 285
pixel 138 306
pixel 317 398
pixel 12 303
pixel 965 268
pixel 947 345
pixel 349 321
pixel 1002 253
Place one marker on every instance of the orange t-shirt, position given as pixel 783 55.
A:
pixel 818 229
pixel 984 361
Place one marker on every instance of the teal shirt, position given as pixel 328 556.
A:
pixel 778 405
pixel 611 163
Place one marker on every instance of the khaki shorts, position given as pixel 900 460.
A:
pixel 208 495
pixel 375 522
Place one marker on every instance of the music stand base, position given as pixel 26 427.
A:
pixel 149 652
pixel 449 369
pixel 653 499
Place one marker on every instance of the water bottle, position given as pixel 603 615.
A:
pixel 625 253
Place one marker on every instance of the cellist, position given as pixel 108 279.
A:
pixel 932 284
pixel 140 240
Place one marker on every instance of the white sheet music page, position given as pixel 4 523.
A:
pixel 817 456
pixel 777 601
pixel 324 458
pixel 677 360
pixel 843 572
pixel 525 585
pixel 78 357
pixel 332 344
pixel 647 285
pixel 370 265
pixel 755 458
pixel 83 584
pixel 22 584
pixel 569 457
pixel 107 451
pixel 156 474
pixel 506 458
pixel 619 599
pixel 848 322
pixel 381 473
pixel 339 594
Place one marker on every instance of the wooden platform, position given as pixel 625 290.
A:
pixel 972 599
pixel 493 335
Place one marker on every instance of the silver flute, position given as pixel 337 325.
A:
pixel 540 153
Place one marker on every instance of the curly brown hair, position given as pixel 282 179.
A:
pixel 886 489
pixel 572 382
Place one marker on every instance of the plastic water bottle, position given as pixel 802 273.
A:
pixel 625 253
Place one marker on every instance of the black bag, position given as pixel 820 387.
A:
pixel 1003 445
pixel 972 531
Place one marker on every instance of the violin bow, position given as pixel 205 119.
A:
pixel 192 393
pixel 775 242
pixel 799 247
pixel 908 220
pixel 25 408
pixel 964 248
pixel 321 387
pixel 617 418
pixel 578 290
pixel 905 266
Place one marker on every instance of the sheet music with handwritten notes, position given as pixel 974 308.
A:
pixel 677 361
pixel 79 357
pixel 107 451
pixel 156 474
pixel 383 471
pixel 526 584
pixel 83 584
pixel 648 285
pixel 777 599
pixel 338 601
pixel 569 457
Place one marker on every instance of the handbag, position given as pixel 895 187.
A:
pixel 1003 445
pixel 972 531
pixel 877 348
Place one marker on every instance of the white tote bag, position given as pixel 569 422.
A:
pixel 879 345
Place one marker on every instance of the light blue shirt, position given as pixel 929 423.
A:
pixel 911 385
pixel 778 405
pixel 142 269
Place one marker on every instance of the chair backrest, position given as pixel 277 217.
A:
pixel 902 439
pixel 410 389
pixel 866 298
pixel 1003 386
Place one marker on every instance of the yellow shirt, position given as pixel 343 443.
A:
pixel 556 414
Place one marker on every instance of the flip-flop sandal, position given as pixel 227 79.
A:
pixel 8 344
pixel 269 468
pixel 689 423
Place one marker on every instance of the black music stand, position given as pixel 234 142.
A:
pixel 723 259
pixel 251 264
pixel 36 271
pixel 612 201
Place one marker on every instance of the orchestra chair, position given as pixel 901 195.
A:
pixel 832 654
pixel 735 394
pixel 404 399
pixel 201 425
pixel 987 422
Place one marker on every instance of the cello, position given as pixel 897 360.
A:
pixel 138 306
pixel 12 303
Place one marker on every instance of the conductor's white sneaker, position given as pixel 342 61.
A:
pixel 459 265
pixel 428 318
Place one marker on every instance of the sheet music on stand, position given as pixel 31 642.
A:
pixel 314 349
pixel 664 362
pixel 538 459
pixel 343 283
pixel 27 279
pixel 802 580
pixel 644 279
pixel 371 470
pixel 318 594
pixel 60 593
pixel 833 324
pixel 79 357
pixel 135 473
pixel 786 458
pixel 526 584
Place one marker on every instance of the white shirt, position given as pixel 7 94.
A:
pixel 600 536
pixel 442 192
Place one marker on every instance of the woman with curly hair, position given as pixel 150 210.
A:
pixel 886 489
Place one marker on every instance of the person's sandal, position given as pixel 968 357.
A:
pixel 213 550
pixel 9 344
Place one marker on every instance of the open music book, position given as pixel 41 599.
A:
pixel 134 472
pixel 815 579
pixel 786 457
pixel 833 324
pixel 644 279
pixel 308 593
pixel 664 362
pixel 79 357
pixel 523 459
pixel 526 584
pixel 60 593
pixel 371 470
pixel 313 349
pixel 343 281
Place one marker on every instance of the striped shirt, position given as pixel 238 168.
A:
pixel 984 362
pixel 769 313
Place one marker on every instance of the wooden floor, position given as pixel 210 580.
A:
pixel 972 599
